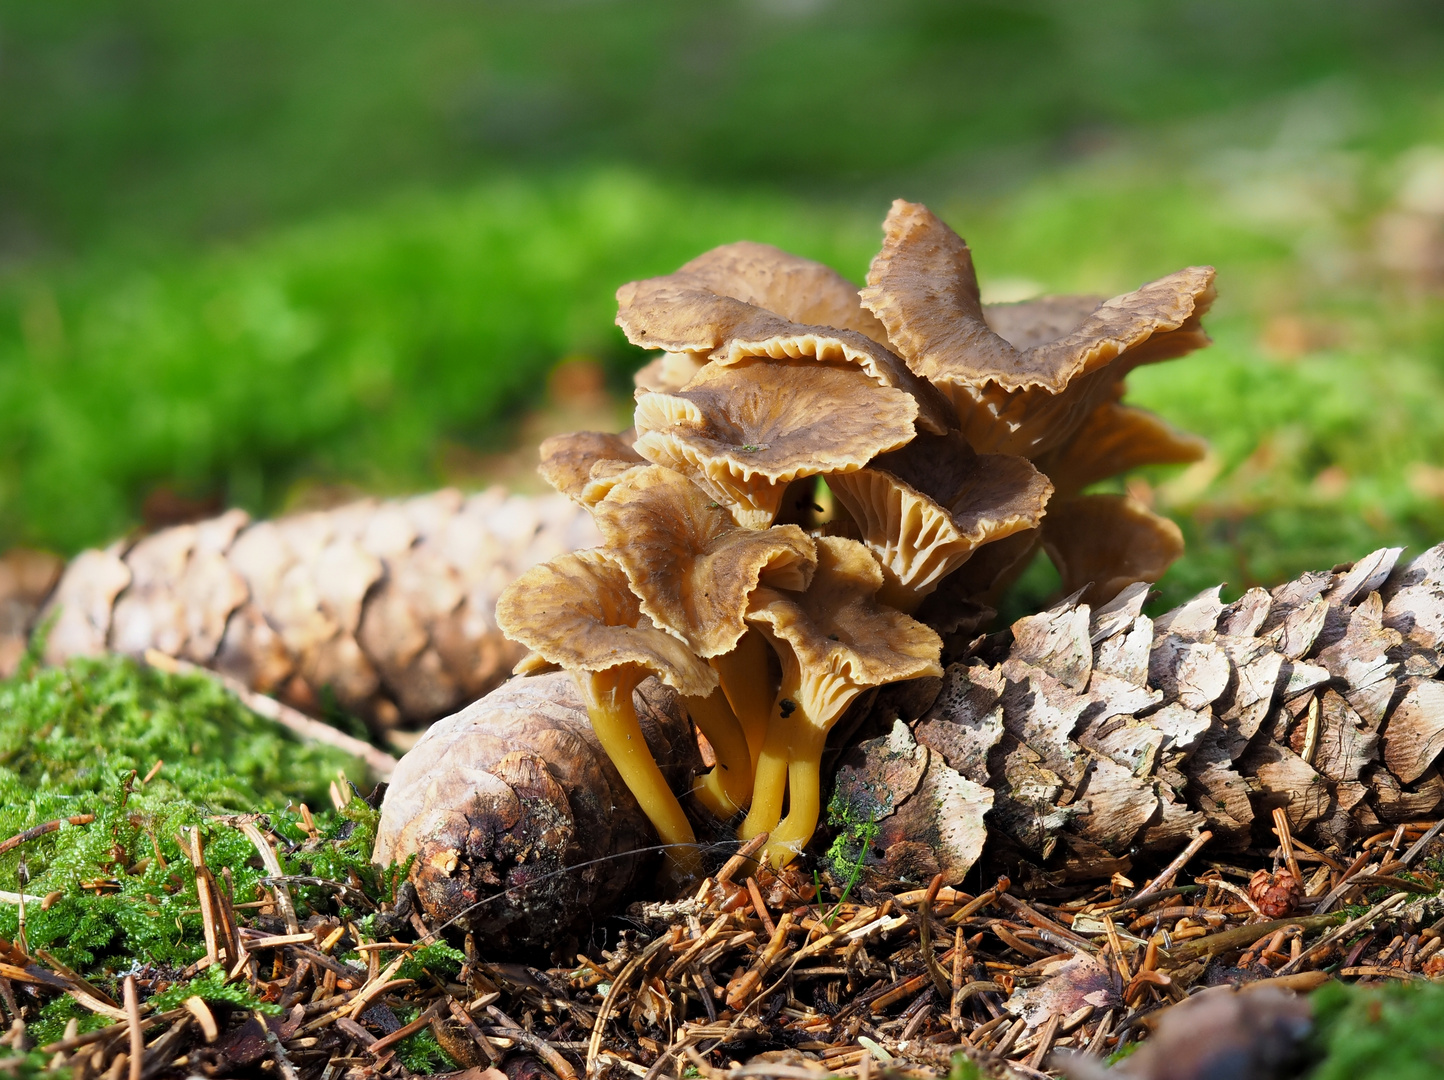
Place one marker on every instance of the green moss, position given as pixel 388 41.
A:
pixel 55 1015
pixel 439 958
pixel 421 1053
pixel 210 985
pixel 1393 1032
pixel 74 732
pixel 963 1067
pixel 74 743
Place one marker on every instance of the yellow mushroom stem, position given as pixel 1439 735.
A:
pixel 747 683
pixel 608 695
pixel 727 788
pixel 791 762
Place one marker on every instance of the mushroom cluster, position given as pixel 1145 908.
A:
pixel 942 429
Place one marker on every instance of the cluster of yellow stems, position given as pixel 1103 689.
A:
pixel 816 474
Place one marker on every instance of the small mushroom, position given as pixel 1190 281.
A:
pixel 584 464
pixel 835 640
pixel 1102 543
pixel 1011 399
pixel 923 510
pixel 744 431
pixel 693 570
pixel 577 612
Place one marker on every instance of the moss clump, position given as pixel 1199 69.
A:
pixel 1392 1032
pixel 77 742
pixel 73 731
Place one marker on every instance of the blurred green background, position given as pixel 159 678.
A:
pixel 248 249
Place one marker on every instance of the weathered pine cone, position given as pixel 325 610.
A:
pixel 1090 735
pixel 522 829
pixel 386 605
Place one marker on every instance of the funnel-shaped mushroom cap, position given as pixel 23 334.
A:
pixel 578 612
pixel 670 371
pixel 679 314
pixel 1107 542
pixel 798 289
pixel 842 640
pixel 1030 323
pixel 1114 439
pixel 580 465
pixel 923 510
pixel 743 432
pixel 691 566
pixel 1033 323
pixel 923 288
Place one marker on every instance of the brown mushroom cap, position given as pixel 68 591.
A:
pixel 923 510
pixel 923 288
pixel 743 432
pixel 1107 542
pixel 841 638
pixel 1113 439
pixel 691 566
pixel 575 463
pixel 1029 323
pixel 798 289
pixel 578 611
pixel 678 314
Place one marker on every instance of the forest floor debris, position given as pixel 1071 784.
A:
pixel 754 973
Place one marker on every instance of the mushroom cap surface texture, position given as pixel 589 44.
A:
pixel 580 464
pixel 578 611
pixel 1010 398
pixel 923 288
pixel 693 568
pixel 677 314
pixel 1034 322
pixel 843 640
pixel 743 432
pixel 798 289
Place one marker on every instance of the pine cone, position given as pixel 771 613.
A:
pixel 26 579
pixel 522 828
pixel 386 606
pixel 1275 892
pixel 1091 735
